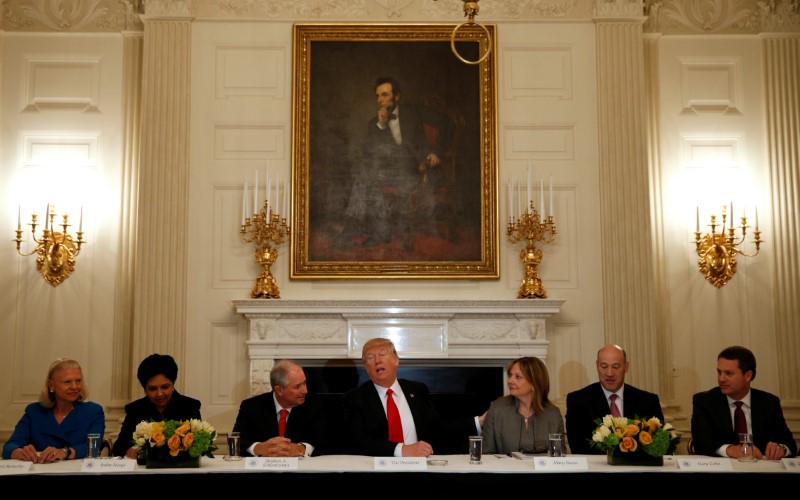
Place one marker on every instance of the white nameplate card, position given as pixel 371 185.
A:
pixel 113 464
pixel 398 463
pixel 792 464
pixel 270 463
pixel 555 464
pixel 9 467
pixel 702 464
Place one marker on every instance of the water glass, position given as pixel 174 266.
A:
pixel 746 444
pixel 234 446
pixel 555 446
pixel 93 445
pixel 475 449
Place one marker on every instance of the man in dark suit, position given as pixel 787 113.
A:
pixel 365 411
pixel 259 417
pixel 586 405
pixel 713 412
pixel 398 157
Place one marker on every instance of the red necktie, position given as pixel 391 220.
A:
pixel 739 422
pixel 393 415
pixel 614 408
pixel 282 422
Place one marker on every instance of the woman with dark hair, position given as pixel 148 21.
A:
pixel 55 427
pixel 522 420
pixel 157 374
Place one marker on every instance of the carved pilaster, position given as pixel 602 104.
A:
pixel 160 291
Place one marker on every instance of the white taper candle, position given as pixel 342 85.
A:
pixel 269 188
pixel 508 196
pixel 244 200
pixel 541 196
pixel 528 183
pixel 255 194
pixel 756 217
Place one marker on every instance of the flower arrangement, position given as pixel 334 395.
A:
pixel 633 435
pixel 176 439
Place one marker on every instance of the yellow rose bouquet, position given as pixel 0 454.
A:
pixel 175 440
pixel 632 436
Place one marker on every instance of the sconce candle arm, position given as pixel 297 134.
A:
pixel 56 252
pixel 717 251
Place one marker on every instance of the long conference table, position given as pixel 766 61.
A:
pixel 351 473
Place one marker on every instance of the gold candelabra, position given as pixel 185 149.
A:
pixel 56 251
pixel 717 250
pixel 531 228
pixel 265 227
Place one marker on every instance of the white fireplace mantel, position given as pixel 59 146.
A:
pixel 473 332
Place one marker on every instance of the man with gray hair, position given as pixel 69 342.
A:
pixel 286 422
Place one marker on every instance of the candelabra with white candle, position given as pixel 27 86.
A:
pixel 717 251
pixel 56 251
pixel 265 228
pixel 531 226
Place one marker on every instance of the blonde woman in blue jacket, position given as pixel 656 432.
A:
pixel 55 427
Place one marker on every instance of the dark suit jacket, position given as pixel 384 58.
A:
pixel 712 425
pixel 257 421
pixel 180 407
pixel 586 405
pixel 368 427
pixel 417 144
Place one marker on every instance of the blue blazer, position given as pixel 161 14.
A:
pixel 712 425
pixel 590 403
pixel 38 427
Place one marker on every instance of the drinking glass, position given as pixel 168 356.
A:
pixel 475 449
pixel 93 445
pixel 746 444
pixel 234 446
pixel 555 447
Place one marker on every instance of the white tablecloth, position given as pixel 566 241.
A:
pixel 499 464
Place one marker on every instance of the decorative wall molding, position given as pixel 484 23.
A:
pixel 315 331
pixel 663 16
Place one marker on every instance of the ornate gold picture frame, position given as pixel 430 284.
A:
pixel 413 198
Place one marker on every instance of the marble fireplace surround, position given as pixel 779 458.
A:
pixel 425 332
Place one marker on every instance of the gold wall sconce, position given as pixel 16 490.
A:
pixel 56 251
pixel 717 250
pixel 471 9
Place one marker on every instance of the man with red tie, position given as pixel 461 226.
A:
pixel 287 422
pixel 714 412
pixel 609 396
pixel 387 416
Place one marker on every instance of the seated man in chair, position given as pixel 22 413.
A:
pixel 393 166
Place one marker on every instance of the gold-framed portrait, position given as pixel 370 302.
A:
pixel 394 162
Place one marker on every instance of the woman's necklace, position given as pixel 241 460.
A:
pixel 525 417
pixel 61 416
